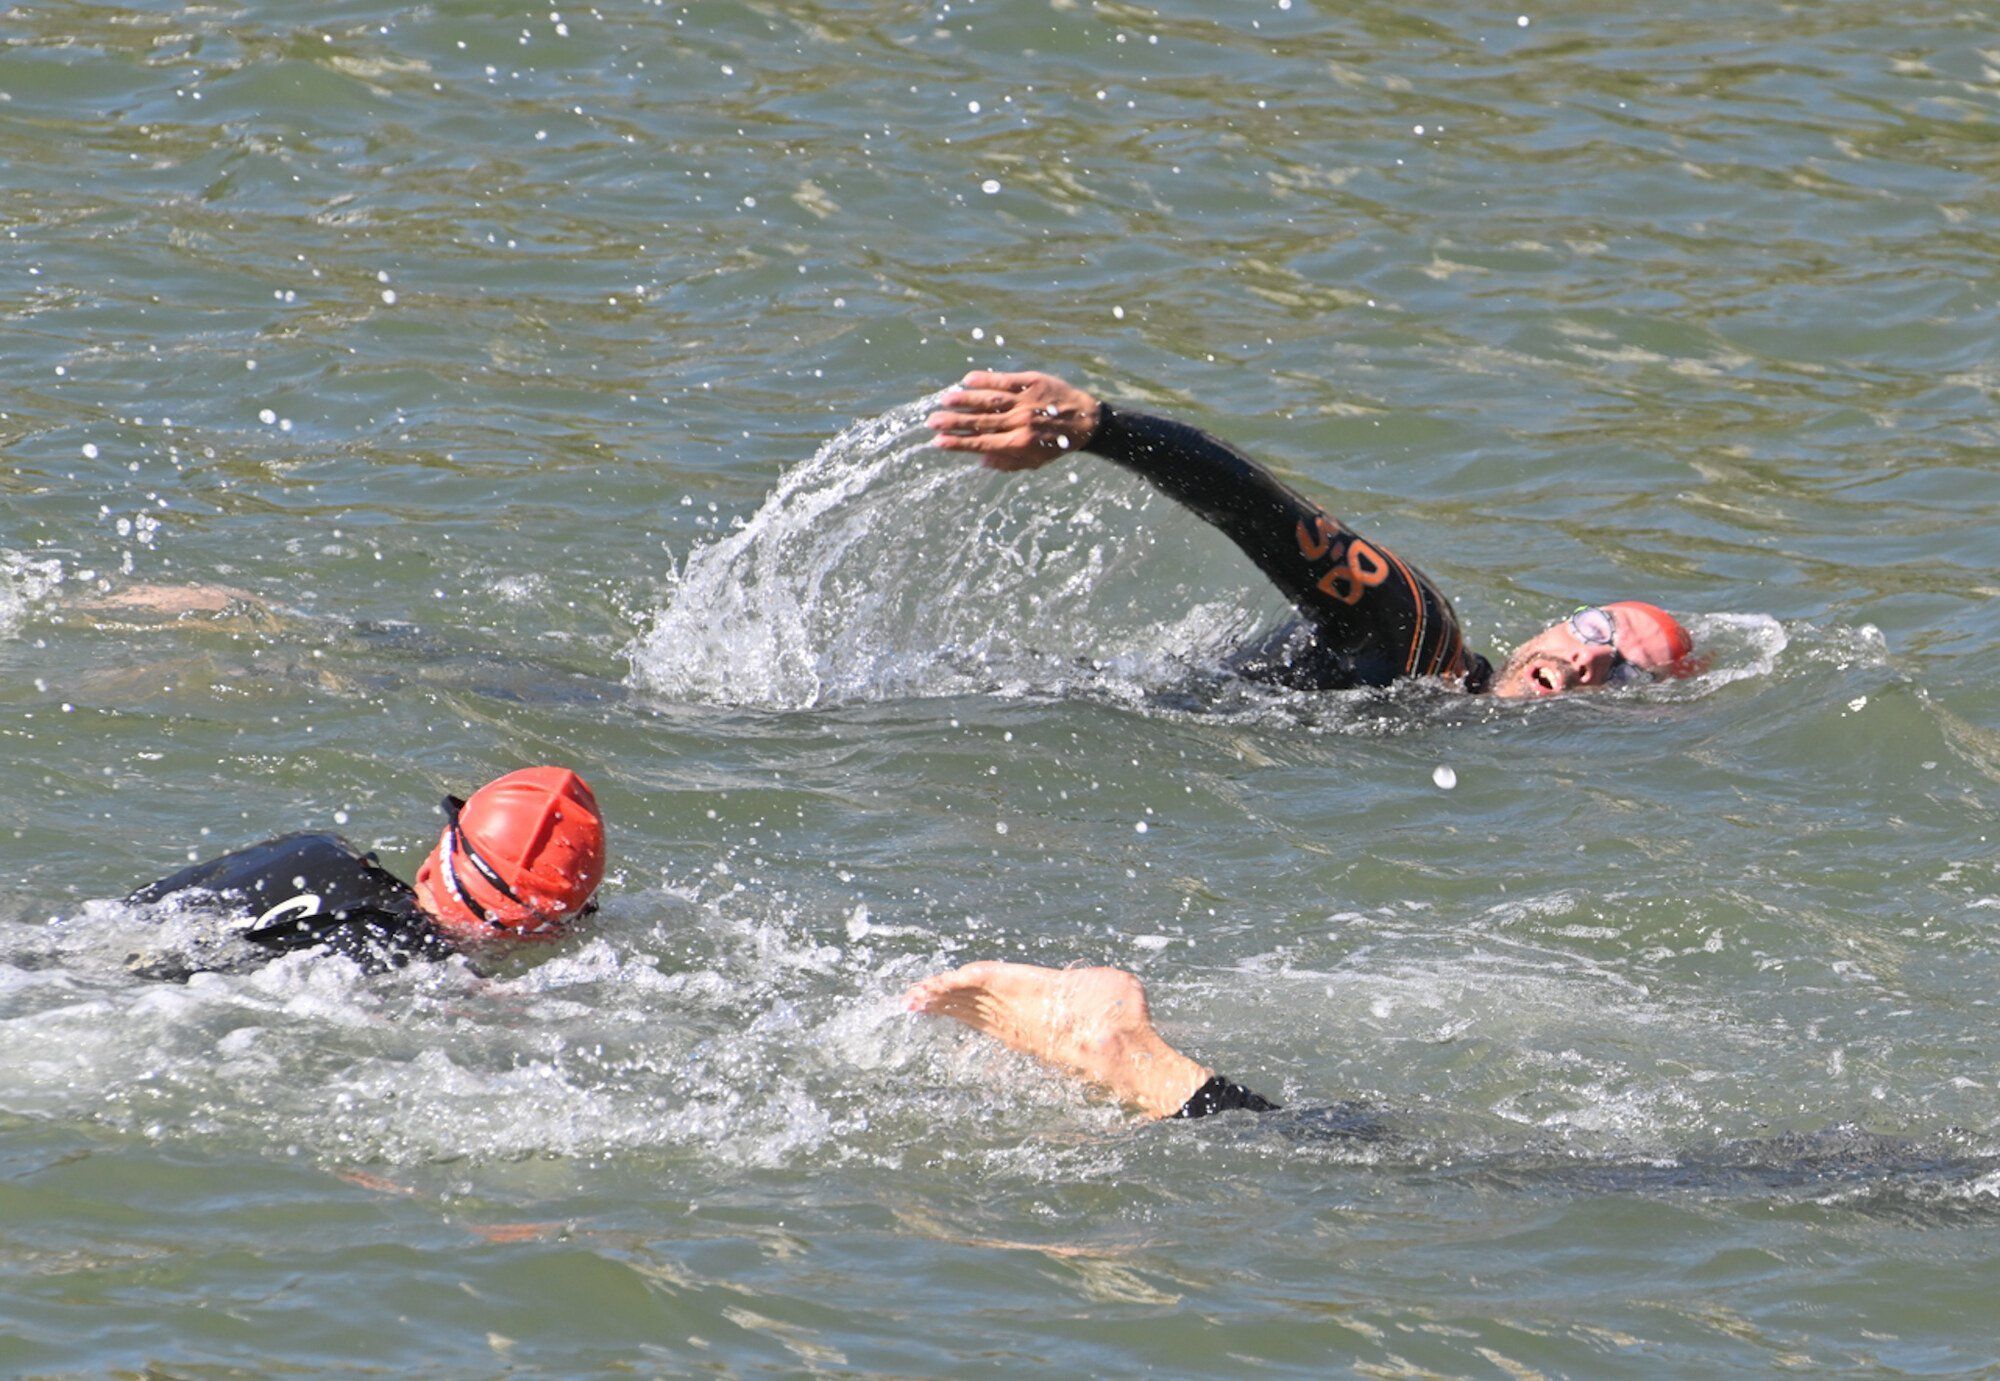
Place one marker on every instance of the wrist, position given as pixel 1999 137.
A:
pixel 1093 417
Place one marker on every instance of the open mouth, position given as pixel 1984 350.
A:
pixel 1547 679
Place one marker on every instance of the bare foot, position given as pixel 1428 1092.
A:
pixel 1091 1022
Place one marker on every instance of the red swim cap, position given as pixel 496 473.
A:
pixel 517 860
pixel 1651 638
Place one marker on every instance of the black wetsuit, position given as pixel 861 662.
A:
pixel 1367 617
pixel 308 891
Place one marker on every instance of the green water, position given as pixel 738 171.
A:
pixel 1678 1006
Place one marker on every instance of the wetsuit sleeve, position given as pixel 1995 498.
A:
pixel 1219 1095
pixel 1378 616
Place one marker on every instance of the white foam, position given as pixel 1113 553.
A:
pixel 883 567
pixel 734 1031
pixel 24 583
pixel 1735 647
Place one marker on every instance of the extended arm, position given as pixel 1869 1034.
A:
pixel 1092 1023
pixel 1376 616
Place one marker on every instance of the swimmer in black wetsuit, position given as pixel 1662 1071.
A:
pixel 1093 1023
pixel 518 861
pixel 1367 618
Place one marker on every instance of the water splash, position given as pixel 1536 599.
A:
pixel 1735 647
pixel 882 567
pixel 24 583
pixel 732 1031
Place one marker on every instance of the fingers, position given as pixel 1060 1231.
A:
pixel 1013 439
pixel 980 400
pixel 954 421
pixel 1007 382
pixel 1012 421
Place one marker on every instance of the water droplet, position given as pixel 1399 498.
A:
pixel 1444 777
pixel 990 186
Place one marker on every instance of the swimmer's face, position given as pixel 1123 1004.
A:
pixel 1591 648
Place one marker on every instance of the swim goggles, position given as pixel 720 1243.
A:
pixel 1595 627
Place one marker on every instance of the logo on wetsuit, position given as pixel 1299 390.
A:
pixel 303 905
pixel 1355 568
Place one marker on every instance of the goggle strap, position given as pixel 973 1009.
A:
pixel 456 843
pixel 459 843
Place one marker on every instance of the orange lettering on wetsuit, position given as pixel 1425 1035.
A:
pixel 1316 541
pixel 1357 567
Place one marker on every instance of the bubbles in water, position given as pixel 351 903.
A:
pixel 24 583
pixel 885 567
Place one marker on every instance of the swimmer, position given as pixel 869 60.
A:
pixel 518 861
pixel 1366 618
pixel 1092 1023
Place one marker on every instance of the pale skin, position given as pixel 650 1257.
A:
pixel 1025 420
pixel 1092 1023
pixel 173 600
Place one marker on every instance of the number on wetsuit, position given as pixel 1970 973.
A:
pixel 1357 567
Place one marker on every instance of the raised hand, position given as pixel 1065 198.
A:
pixel 1014 421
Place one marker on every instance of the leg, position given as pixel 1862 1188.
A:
pixel 1090 1022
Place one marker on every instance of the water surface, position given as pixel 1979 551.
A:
pixel 505 361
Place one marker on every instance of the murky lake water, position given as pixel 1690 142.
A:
pixel 471 342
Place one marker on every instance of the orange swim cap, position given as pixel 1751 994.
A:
pixel 518 860
pixel 1652 639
